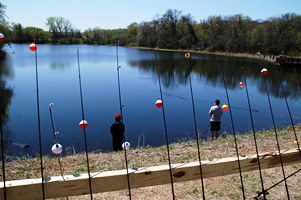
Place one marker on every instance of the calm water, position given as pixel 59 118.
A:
pixel 59 84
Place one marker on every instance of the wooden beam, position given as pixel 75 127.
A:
pixel 56 187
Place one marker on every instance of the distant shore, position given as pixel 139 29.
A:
pixel 268 58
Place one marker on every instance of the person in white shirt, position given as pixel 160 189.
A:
pixel 215 113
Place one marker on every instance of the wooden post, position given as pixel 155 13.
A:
pixel 56 187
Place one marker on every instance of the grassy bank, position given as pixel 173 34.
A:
pixel 225 187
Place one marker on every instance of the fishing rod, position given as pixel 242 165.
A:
pixel 161 105
pixel 33 47
pixel 84 124
pixel 235 138
pixel 187 56
pixel 2 141
pixel 55 133
pixel 2 39
pixel 122 120
pixel 289 113
pixel 264 73
pixel 56 148
pixel 235 107
pixel 266 190
pixel 254 133
pixel 13 52
pixel 2 153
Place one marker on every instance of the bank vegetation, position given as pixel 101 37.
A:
pixel 225 187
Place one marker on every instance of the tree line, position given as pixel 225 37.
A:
pixel 172 30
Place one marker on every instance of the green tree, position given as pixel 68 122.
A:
pixel 214 29
pixel 35 34
pixel 3 27
pixel 186 32
pixel 255 42
pixel 18 33
pixel 237 28
pixel 167 29
pixel 147 35
pixel 60 28
pixel 132 30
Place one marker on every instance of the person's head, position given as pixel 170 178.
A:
pixel 217 102
pixel 117 117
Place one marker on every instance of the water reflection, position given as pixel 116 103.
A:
pixel 58 77
pixel 59 65
pixel 173 69
pixel 5 99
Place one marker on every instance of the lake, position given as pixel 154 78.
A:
pixel 59 84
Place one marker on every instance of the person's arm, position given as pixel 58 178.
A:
pixel 210 111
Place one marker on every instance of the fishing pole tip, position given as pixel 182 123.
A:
pixel 51 104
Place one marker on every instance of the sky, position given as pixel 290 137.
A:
pixel 113 14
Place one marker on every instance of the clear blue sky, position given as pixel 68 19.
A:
pixel 112 14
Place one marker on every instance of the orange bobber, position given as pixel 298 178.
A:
pixel 187 55
pixel 225 107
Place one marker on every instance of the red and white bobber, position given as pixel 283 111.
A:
pixel 1 38
pixel 241 84
pixel 33 46
pixel 83 124
pixel 159 103
pixel 264 72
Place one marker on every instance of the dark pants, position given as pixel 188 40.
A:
pixel 117 144
pixel 215 126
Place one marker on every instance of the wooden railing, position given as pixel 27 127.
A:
pixel 56 187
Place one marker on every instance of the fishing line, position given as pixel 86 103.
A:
pixel 277 140
pixel 11 48
pixel 2 153
pixel 234 107
pixel 235 138
pixel 165 127
pixel 289 112
pixel 83 119
pixel 55 135
pixel 33 47
pixel 187 55
pixel 120 107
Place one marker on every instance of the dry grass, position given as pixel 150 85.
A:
pixel 225 187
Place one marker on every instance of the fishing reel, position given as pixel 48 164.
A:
pixel 261 195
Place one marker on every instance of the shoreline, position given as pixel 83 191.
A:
pixel 180 152
pixel 258 56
